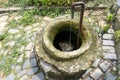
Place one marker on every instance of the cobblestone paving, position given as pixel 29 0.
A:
pixel 27 67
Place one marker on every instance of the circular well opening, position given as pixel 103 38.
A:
pixel 64 42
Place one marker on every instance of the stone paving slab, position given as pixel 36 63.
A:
pixel 96 74
pixel 110 56
pixel 108 36
pixel 108 49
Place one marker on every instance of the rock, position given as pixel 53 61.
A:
pixel 18 17
pixel 108 49
pixel 105 65
pixel 110 56
pixel 47 18
pixel 3 18
pixel 28 28
pixel 46 67
pixel 36 29
pixel 39 76
pixel 108 43
pixel 33 37
pixel 111 31
pixel 25 77
pixel 23 72
pixel 13 31
pixel 18 36
pixel 33 62
pixel 110 76
pixel 32 71
pixel 10 43
pixel 20 59
pixel 10 77
pixel 108 36
pixel 30 63
pixel 88 78
pixel 18 69
pixel 22 48
pixel 96 74
pixel 2 26
pixel 87 73
pixel 95 64
pixel 26 64
pixel 30 54
pixel 29 47
pixel 35 24
pixel 6 52
pixel 12 67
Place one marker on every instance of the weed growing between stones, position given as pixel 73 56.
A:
pixel 117 35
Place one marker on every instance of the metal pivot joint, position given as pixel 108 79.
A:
pixel 81 18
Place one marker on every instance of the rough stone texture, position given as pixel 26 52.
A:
pixel 111 31
pixel 69 67
pixel 107 36
pixel 25 77
pixel 26 64
pixel 95 64
pixel 23 72
pixel 87 73
pixel 10 77
pixel 20 59
pixel 105 65
pixel 18 17
pixel 39 76
pixel 45 66
pixel 18 69
pixel 110 56
pixel 13 31
pixel 3 18
pixel 88 78
pixel 36 24
pixel 110 76
pixel 32 71
pixel 96 74
pixel 108 49
pixel 10 43
pixel 108 43
pixel 2 26
pixel 33 62
pixel 30 54
pixel 29 46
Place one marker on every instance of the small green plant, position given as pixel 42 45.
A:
pixel 105 28
pixel 110 17
pixel 117 35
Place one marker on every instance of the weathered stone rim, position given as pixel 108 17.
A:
pixel 50 33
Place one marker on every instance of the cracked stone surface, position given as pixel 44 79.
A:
pixel 96 74
pixel 108 49
pixel 108 36
pixel 105 65
pixel 108 43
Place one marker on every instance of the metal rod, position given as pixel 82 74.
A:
pixel 81 19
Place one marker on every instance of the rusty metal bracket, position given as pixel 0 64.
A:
pixel 81 18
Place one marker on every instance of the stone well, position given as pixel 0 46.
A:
pixel 59 64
